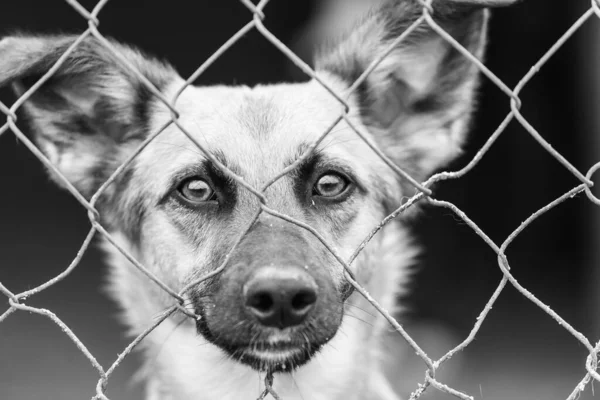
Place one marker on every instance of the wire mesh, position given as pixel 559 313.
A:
pixel 17 300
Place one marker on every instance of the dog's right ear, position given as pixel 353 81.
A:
pixel 417 100
pixel 92 111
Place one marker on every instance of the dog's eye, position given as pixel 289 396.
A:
pixel 330 184
pixel 196 190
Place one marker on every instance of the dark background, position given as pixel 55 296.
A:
pixel 519 352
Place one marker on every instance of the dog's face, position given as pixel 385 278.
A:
pixel 281 294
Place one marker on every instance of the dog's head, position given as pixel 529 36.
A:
pixel 281 295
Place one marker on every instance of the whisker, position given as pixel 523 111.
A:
pixel 359 319
pixel 361 309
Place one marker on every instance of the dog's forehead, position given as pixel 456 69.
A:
pixel 281 115
pixel 260 130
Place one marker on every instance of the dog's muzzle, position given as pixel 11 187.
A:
pixel 275 305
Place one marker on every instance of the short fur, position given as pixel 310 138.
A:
pixel 415 105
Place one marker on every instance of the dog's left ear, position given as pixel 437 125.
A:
pixel 418 99
pixel 92 112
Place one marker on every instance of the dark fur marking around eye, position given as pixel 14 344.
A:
pixel 194 221
pixel 316 163
pixel 339 217
pixel 303 174
pixel 223 184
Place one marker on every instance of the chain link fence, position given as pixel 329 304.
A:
pixel 17 301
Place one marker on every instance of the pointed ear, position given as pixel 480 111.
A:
pixel 92 112
pixel 417 101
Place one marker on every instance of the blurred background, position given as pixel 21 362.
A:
pixel 520 352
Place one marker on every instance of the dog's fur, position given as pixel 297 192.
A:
pixel 415 105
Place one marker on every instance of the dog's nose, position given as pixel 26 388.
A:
pixel 280 296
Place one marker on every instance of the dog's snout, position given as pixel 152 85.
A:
pixel 280 296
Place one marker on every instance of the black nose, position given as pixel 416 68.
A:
pixel 280 296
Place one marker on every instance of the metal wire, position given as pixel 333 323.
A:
pixel 16 301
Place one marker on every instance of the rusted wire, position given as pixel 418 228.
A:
pixel 256 22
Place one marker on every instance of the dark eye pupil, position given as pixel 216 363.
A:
pixel 330 185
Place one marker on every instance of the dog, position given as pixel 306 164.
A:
pixel 282 305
